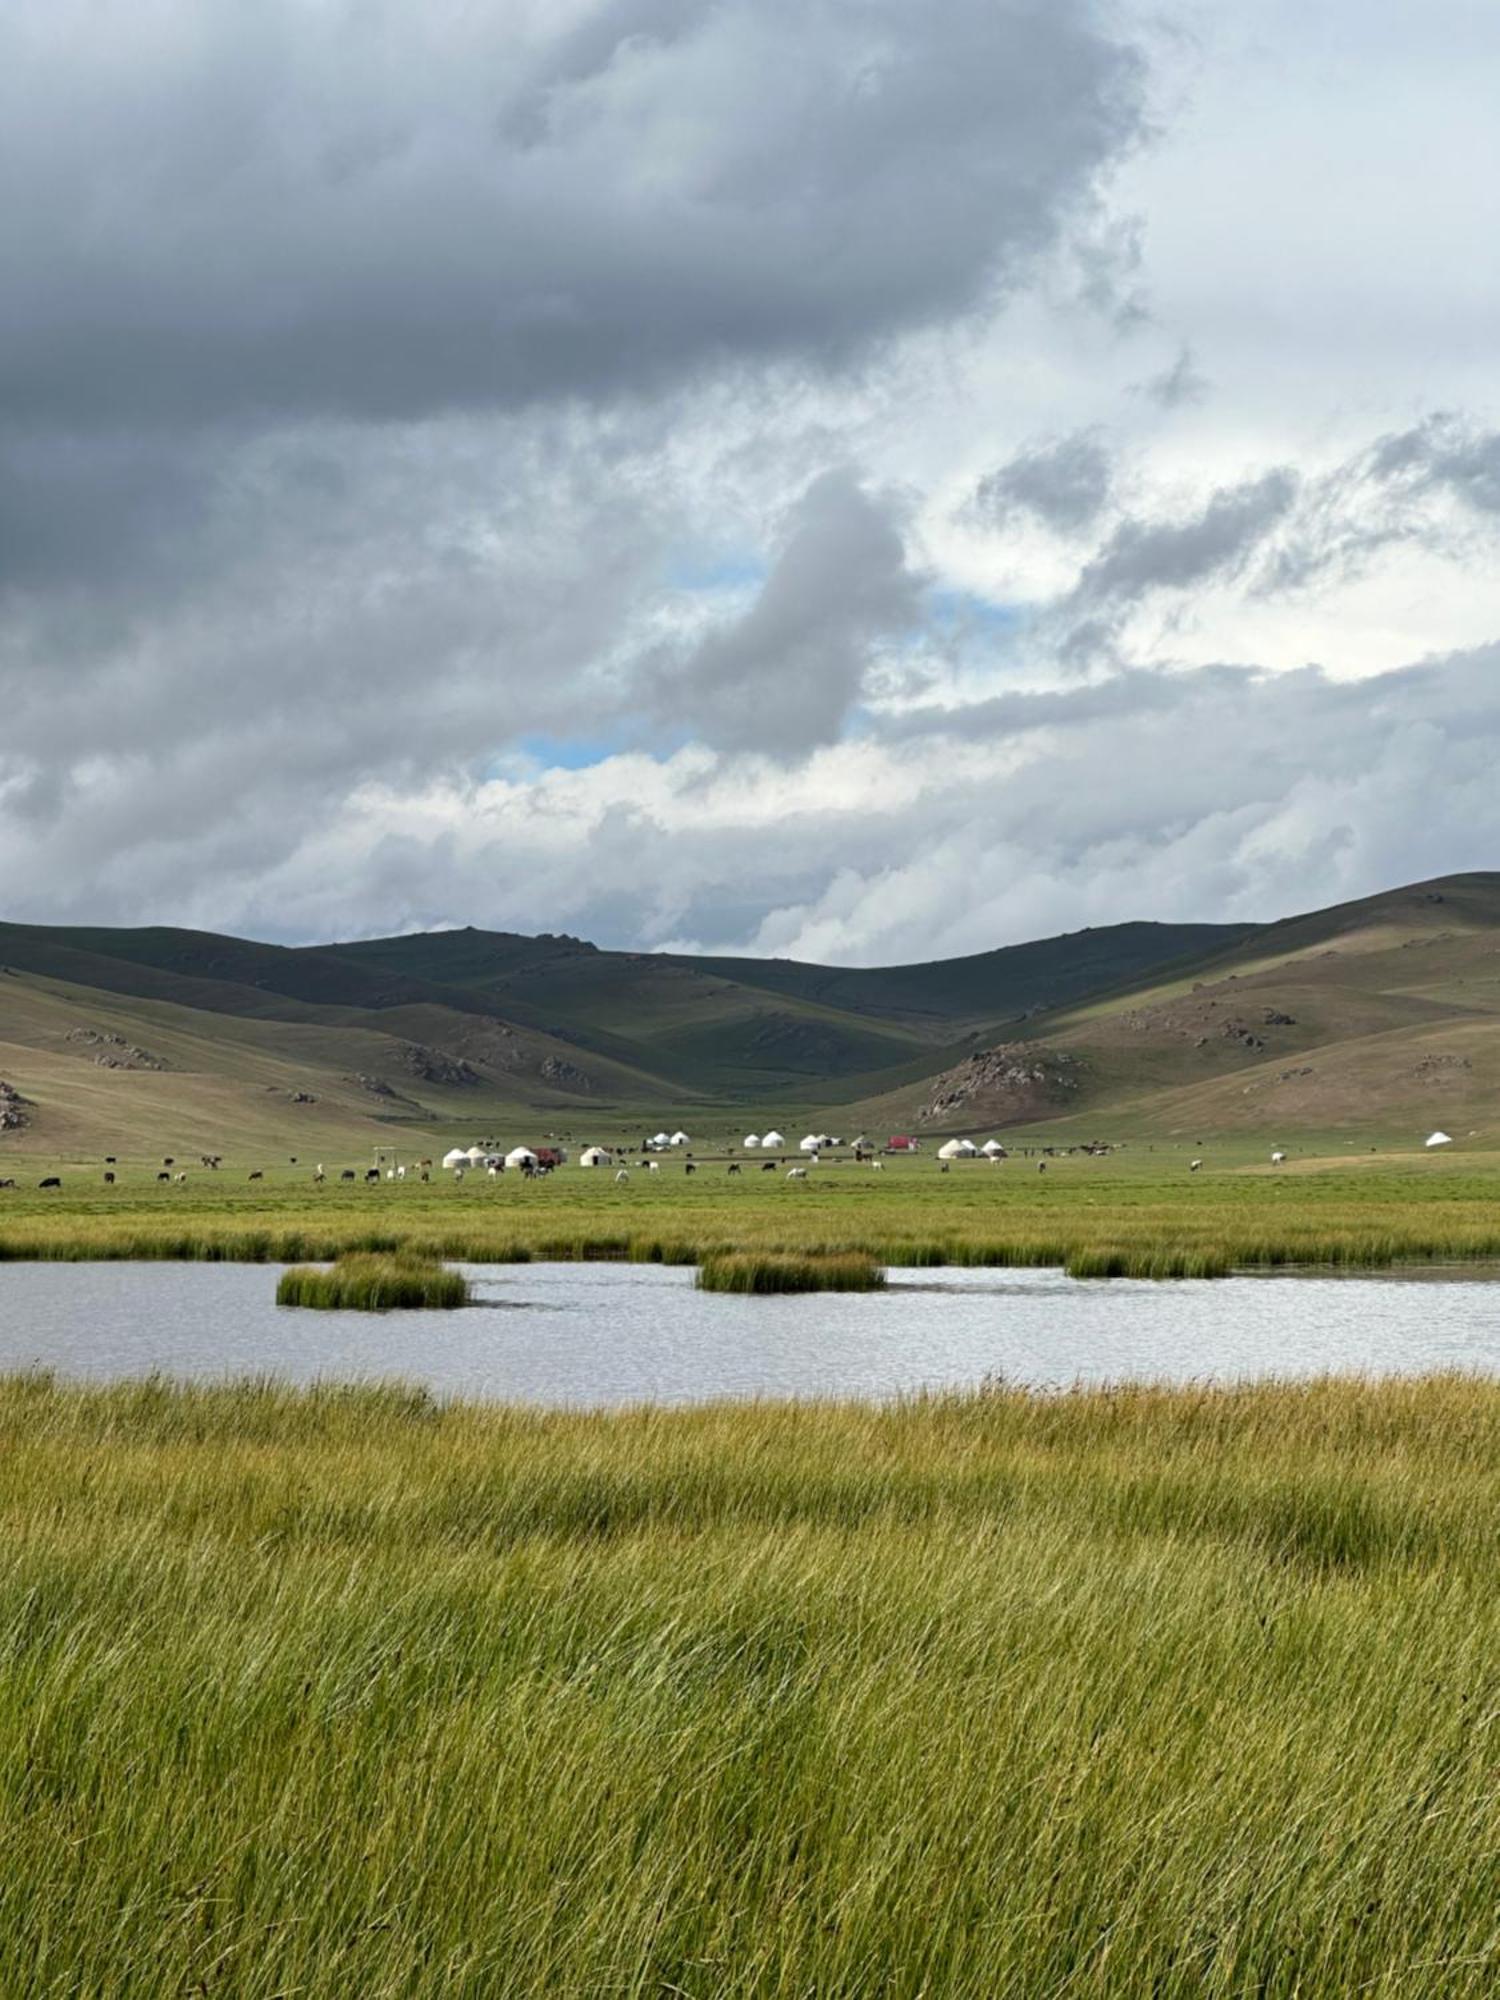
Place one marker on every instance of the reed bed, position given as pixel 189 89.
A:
pixel 1117 1693
pixel 763 1274
pixel 360 1282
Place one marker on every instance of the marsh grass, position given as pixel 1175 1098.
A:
pixel 1118 1261
pixel 1112 1693
pixel 362 1282
pixel 766 1274
pixel 1162 1223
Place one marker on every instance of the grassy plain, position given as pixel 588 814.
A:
pixel 1121 1693
pixel 1138 1211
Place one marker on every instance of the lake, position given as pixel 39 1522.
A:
pixel 607 1334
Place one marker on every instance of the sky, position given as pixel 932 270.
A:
pixel 860 480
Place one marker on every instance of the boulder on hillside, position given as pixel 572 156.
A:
pixel 1014 1081
pixel 15 1110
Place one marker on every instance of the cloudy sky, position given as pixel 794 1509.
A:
pixel 853 479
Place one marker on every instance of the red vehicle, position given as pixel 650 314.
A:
pixel 900 1143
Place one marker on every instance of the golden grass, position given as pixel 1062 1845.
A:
pixel 1138 1692
pixel 373 1283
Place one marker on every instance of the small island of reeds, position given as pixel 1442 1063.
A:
pixel 747 1272
pixel 373 1282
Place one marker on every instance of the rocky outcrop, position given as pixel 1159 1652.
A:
pixel 1015 1080
pixel 114 1052
pixel 437 1066
pixel 556 1069
pixel 15 1110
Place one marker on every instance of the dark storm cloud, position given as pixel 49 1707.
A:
pixel 784 676
pixel 1143 555
pixel 285 208
pixel 1064 483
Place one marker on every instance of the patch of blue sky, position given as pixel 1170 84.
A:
pixel 955 612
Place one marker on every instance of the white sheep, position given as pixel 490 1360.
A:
pixel 1194 1165
pixel 621 1176
pixel 1277 1158
pixel 796 1173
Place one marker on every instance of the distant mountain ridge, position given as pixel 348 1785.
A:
pixel 1367 1012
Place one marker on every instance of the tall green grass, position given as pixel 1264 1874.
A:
pixel 1127 1693
pixel 1159 1221
pixel 766 1274
pixel 366 1283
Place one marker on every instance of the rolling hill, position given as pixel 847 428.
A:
pixel 1371 1017
pixel 1368 1018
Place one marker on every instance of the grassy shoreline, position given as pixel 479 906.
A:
pixel 1132 1691
pixel 1092 1218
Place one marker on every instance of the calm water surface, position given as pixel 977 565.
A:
pixel 598 1334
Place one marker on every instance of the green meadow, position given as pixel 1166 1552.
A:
pixel 347 1693
pixel 1137 1213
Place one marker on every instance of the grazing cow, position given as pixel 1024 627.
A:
pixel 257 1175
pixel 796 1173
pixel 425 1175
pixel 163 1176
pixel 690 1168
pixel 6 1184
pixel 51 1181
pixel 768 1167
pixel 1194 1165
pixel 371 1174
pixel 1041 1166
pixel 347 1174
pixel 109 1180
pixel 622 1175
pixel 652 1167
pixel 318 1173
pixel 169 1163
pixel 110 1160
pixel 942 1166
pixel 735 1168
pixel 181 1179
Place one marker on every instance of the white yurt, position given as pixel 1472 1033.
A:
pixel 771 1142
pixel 810 1144
pixel 1440 1139
pixel 595 1156
pixel 475 1156
pixel 520 1156
pixel 750 1142
pixel 993 1150
pixel 679 1139
pixel 958 1149
pixel 659 1142
pixel 457 1158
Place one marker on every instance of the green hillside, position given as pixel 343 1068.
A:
pixel 1373 1017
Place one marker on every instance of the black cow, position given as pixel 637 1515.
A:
pixel 371 1174
pixel 51 1181
pixel 6 1184
pixel 734 1169
pixel 109 1180
pixel 769 1166
pixel 163 1177
pixel 690 1168
pixel 257 1175
pixel 347 1174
